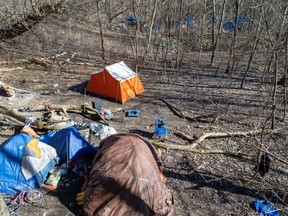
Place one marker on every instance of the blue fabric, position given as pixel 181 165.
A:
pixel 228 26
pixel 264 208
pixel 188 21
pixel 11 177
pixel 78 146
pixel 134 18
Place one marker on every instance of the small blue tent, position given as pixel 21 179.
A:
pixel 238 21
pixel 187 21
pixel 228 26
pixel 69 144
pixel 132 20
pixel 24 163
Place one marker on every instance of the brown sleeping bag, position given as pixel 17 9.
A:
pixel 126 179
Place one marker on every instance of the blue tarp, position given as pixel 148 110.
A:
pixel 188 21
pixel 237 21
pixel 228 26
pixel 134 18
pixel 77 147
pixel 12 152
pixel 265 208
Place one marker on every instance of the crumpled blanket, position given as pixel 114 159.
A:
pixel 126 179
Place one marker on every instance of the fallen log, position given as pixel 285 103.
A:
pixel 8 91
pixel 38 122
pixel 16 89
pixel 191 147
pixel 198 151
pixel 209 118
pixel 22 118
pixel 82 107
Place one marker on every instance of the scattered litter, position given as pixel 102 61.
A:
pixel 132 113
pixel 29 121
pixel 22 198
pixel 34 196
pixel 97 129
pixel 53 179
pixel 106 131
pixel 97 104
pixel 161 126
pixel 107 114
pixel 264 208
pixel 80 198
pixel 264 165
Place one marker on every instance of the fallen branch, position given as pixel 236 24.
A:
pixel 16 89
pixel 191 146
pixel 209 118
pixel 197 151
pixel 20 117
pixel 42 124
pixel 83 107
pixel 183 135
pixel 8 91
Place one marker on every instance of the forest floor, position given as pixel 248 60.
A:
pixel 202 184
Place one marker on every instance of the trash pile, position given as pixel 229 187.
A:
pixel 33 164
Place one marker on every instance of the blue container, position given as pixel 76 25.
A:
pixel 97 104
pixel 132 113
pixel 161 126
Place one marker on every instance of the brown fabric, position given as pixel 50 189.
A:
pixel 126 180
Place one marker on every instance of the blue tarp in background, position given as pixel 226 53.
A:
pixel 188 21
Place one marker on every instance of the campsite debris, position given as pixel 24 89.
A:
pixel 32 160
pixel 107 114
pixel 12 88
pixel 53 179
pixel 7 89
pixel 51 125
pixel 132 113
pixel 97 104
pixel 97 129
pixel 23 197
pixel 80 198
pixel 83 107
pixel 112 158
pixel 161 126
pixel 263 207
pixel 264 165
pixel 29 121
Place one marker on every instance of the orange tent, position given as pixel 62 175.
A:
pixel 116 81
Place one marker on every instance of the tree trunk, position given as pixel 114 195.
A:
pixel 219 32
pixel 179 35
pixel 100 31
pixel 151 29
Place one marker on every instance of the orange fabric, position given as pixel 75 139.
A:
pixel 30 132
pixel 106 85
pixel 33 146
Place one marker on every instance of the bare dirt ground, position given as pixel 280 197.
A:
pixel 202 184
